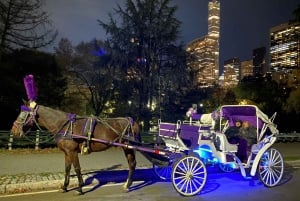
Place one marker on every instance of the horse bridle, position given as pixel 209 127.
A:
pixel 27 117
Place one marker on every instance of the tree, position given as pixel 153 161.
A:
pixel 64 53
pixel 266 94
pixel 48 76
pixel 147 34
pixel 23 24
pixel 293 101
pixel 95 72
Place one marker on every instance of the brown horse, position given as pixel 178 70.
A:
pixel 72 132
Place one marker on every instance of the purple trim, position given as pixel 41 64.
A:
pixel 30 87
pixel 196 116
pixel 25 108
pixel 244 113
pixel 72 117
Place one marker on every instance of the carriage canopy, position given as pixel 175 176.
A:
pixel 250 113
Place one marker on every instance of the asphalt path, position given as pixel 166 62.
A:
pixel 219 186
pixel 12 163
pixel 45 162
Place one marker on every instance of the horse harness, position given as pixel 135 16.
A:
pixel 88 129
pixel 28 116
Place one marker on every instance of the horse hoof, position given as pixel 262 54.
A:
pixel 125 190
pixel 78 192
pixel 62 190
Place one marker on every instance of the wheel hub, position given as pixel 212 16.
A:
pixel 189 175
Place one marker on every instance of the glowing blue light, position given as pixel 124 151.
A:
pixel 205 152
pixel 100 52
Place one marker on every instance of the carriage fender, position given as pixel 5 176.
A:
pixel 258 156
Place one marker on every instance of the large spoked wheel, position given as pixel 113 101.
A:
pixel 163 172
pixel 271 167
pixel 189 176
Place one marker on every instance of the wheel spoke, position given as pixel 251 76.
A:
pixel 189 176
pixel 271 168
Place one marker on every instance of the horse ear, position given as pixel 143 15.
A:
pixel 25 102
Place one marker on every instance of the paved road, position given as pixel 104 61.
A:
pixel 14 163
pixel 231 186
pixel 26 172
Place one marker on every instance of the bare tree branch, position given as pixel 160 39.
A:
pixel 24 24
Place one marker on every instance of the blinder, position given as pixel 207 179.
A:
pixel 25 119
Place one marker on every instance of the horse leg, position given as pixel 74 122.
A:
pixel 77 169
pixel 68 163
pixel 130 156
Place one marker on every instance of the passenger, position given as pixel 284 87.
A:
pixel 249 133
pixel 233 131
pixel 234 137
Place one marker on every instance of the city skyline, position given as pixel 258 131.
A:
pixel 245 25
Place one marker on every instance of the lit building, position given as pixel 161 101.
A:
pixel 246 69
pixel 204 51
pixel 231 73
pixel 285 53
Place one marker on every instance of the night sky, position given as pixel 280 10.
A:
pixel 245 24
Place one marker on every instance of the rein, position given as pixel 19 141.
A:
pixel 72 119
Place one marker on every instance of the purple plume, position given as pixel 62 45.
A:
pixel 30 87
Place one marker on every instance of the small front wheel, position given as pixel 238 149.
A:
pixel 189 176
pixel 270 167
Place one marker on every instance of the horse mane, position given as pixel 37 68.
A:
pixel 58 118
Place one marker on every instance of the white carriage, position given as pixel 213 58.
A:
pixel 195 144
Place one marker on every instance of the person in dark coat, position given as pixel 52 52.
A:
pixel 234 137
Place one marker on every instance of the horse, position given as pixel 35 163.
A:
pixel 73 133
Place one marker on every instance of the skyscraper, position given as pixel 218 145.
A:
pixel 285 52
pixel 231 72
pixel 246 69
pixel 204 51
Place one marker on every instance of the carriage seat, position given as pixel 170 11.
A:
pixel 169 132
pixel 222 144
pixel 190 134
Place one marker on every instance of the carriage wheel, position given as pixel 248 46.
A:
pixel 226 167
pixel 163 172
pixel 189 176
pixel 270 167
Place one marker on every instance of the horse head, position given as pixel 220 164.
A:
pixel 25 120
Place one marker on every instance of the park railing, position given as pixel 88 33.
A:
pixel 43 139
pixel 288 137
pixel 34 139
